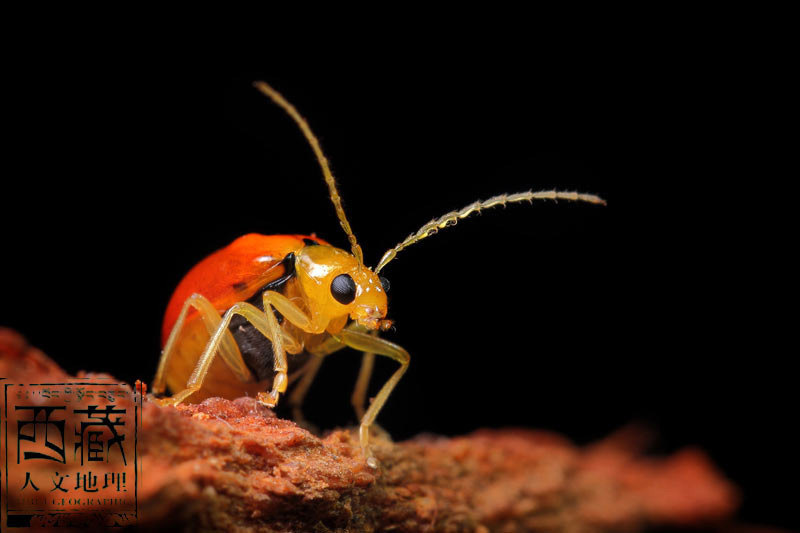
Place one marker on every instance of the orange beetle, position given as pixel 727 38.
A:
pixel 263 297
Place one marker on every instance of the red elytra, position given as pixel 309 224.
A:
pixel 234 273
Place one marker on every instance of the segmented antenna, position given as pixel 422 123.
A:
pixel 323 162
pixel 451 218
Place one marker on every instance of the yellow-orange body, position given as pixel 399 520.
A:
pixel 239 272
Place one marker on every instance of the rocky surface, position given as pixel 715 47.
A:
pixel 232 465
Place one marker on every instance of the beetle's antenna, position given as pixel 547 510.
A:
pixel 451 218
pixel 323 162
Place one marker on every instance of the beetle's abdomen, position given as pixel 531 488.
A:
pixel 255 348
pixel 257 351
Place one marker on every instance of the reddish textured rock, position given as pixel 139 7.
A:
pixel 232 465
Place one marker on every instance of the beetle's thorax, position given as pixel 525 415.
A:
pixel 330 300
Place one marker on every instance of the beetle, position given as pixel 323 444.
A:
pixel 236 315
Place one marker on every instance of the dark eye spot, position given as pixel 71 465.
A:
pixel 384 283
pixel 343 289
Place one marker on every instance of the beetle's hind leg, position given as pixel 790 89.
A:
pixel 211 319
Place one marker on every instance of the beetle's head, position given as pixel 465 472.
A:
pixel 336 285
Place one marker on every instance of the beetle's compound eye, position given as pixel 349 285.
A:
pixel 384 283
pixel 343 289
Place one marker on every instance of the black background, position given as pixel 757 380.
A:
pixel 127 162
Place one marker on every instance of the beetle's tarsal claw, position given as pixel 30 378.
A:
pixel 267 399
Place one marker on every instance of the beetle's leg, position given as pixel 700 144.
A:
pixel 370 344
pixel 252 314
pixel 211 319
pixel 300 372
pixel 280 366
pixel 272 301
pixel 291 312
pixel 359 397
pixel 327 347
pixel 266 323
pixel 298 394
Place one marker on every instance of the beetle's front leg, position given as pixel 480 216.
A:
pixel 370 344
pixel 275 301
